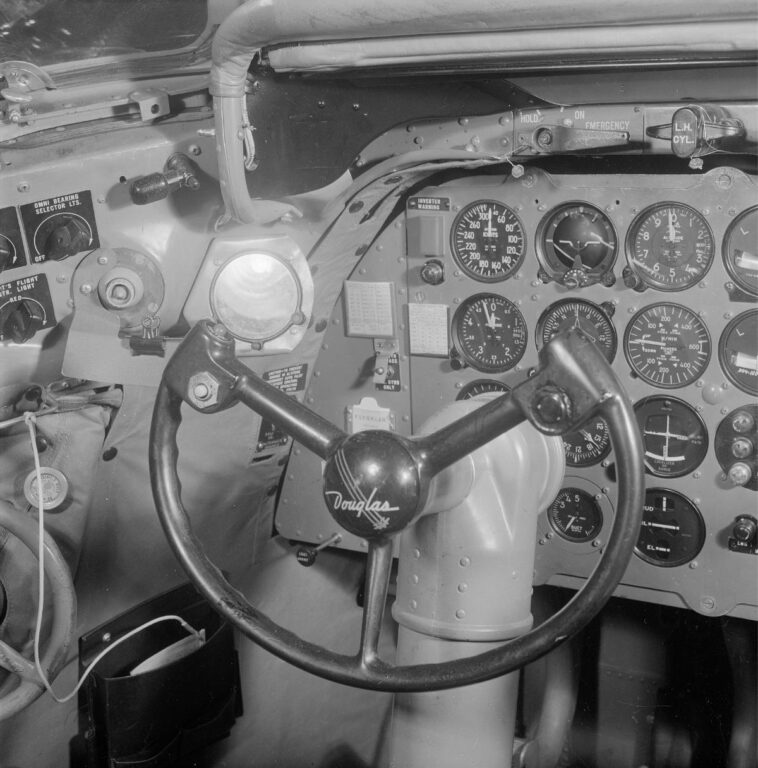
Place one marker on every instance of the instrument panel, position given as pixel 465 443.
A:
pixel 660 271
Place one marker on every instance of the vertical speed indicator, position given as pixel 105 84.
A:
pixel 667 345
pixel 488 241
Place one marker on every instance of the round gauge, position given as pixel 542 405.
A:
pixel 480 387
pixel 489 332
pixel 575 515
pixel 576 244
pixel 740 250
pixel 674 435
pixel 488 241
pixel 257 296
pixel 670 246
pixel 672 531
pixel 738 351
pixel 577 313
pixel 667 345
pixel 587 445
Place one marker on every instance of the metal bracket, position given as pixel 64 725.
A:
pixel 23 76
pixel 153 103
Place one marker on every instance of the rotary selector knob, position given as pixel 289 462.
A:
pixel 20 320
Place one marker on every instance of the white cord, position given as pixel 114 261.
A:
pixel 30 420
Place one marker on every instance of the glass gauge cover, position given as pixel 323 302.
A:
pixel 489 332
pixel 576 244
pixel 667 345
pixel 480 387
pixel 578 313
pixel 670 246
pixel 587 445
pixel 575 515
pixel 740 250
pixel 672 531
pixel 738 351
pixel 674 435
pixel 488 241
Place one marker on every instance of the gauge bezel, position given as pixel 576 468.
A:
pixel 552 265
pixel 645 377
pixel 726 367
pixel 475 363
pixel 458 258
pixel 539 337
pixel 691 555
pixel 690 467
pixel 629 247
pixel 726 257
pixel 497 386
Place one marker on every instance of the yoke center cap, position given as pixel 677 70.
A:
pixel 371 485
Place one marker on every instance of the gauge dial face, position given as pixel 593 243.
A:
pixel 667 345
pixel 575 515
pixel 670 246
pixel 488 241
pixel 577 313
pixel 480 387
pixel 738 351
pixel 672 531
pixel 740 250
pixel 673 434
pixel 489 332
pixel 587 445
pixel 576 244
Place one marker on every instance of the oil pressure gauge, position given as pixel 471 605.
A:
pixel 670 246
pixel 488 241
pixel 489 332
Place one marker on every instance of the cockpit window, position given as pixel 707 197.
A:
pixel 47 32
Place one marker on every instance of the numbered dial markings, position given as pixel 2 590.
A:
pixel 670 246
pixel 489 332
pixel 667 345
pixel 575 515
pixel 587 445
pixel 674 435
pixel 738 351
pixel 672 531
pixel 577 313
pixel 740 250
pixel 488 241
pixel 481 387
pixel 576 244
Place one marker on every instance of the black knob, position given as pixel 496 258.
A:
pixel 21 320
pixel 69 237
pixel 306 556
pixel 744 529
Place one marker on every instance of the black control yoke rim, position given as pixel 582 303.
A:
pixel 592 381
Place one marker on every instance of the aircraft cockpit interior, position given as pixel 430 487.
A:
pixel 378 384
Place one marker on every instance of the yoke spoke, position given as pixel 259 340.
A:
pixel 378 570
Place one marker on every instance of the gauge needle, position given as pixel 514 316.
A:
pixel 571 521
pixel 597 240
pixel 489 231
pixel 649 341
pixel 560 250
pixel 492 321
pixel 587 436
pixel 672 229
